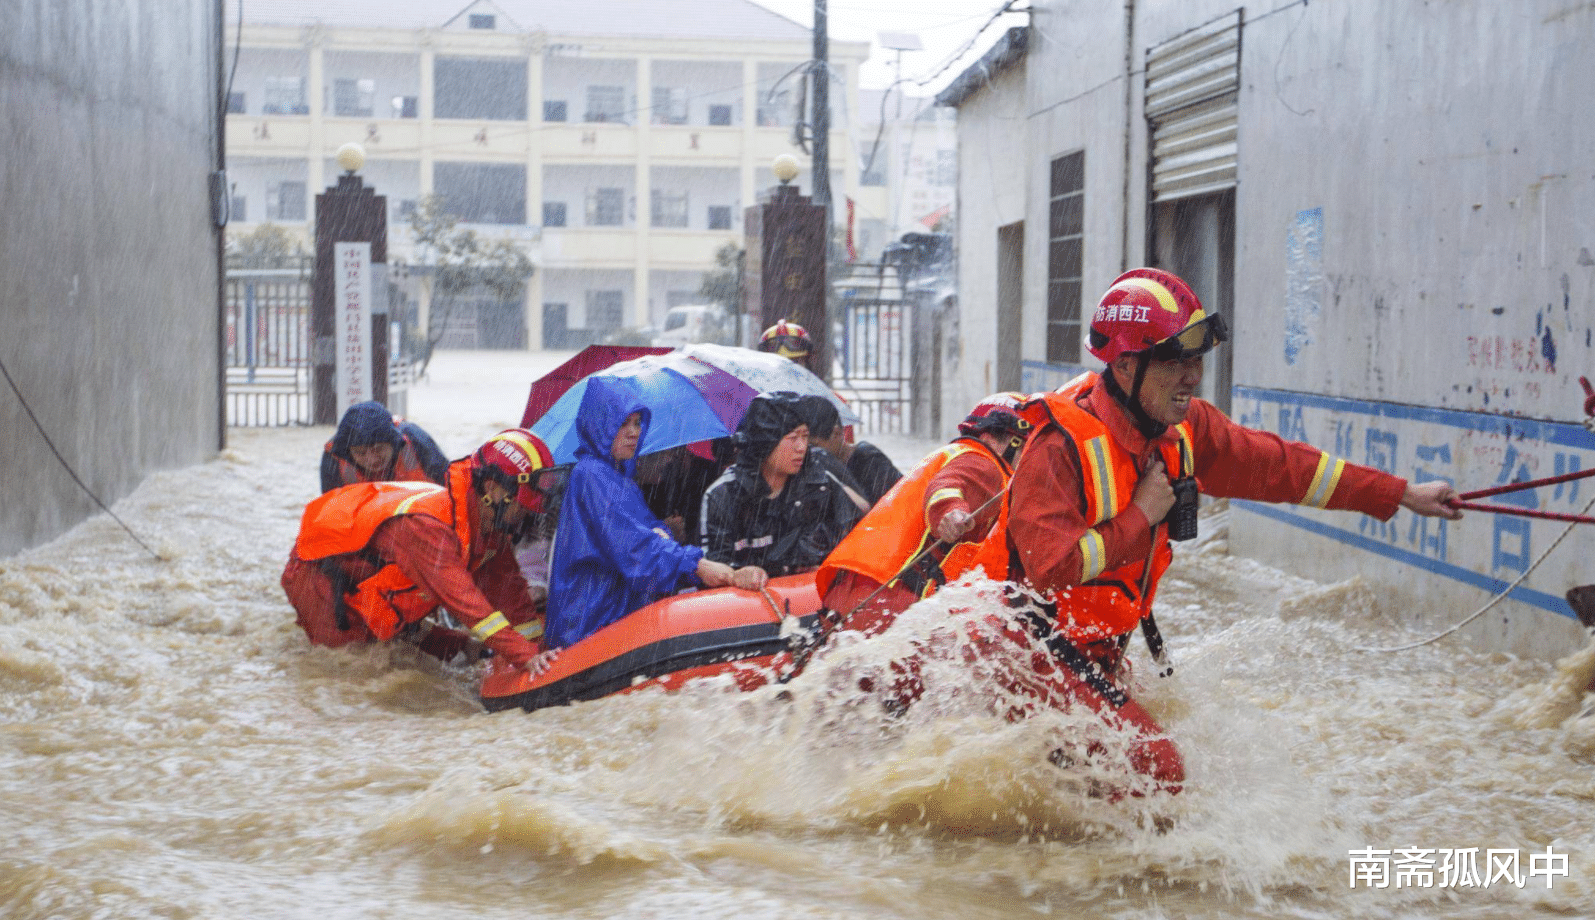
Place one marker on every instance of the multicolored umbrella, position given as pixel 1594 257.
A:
pixel 697 394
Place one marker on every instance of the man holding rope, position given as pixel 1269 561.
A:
pixel 1111 475
pixel 926 529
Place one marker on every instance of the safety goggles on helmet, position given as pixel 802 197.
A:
pixel 1196 339
pixel 787 346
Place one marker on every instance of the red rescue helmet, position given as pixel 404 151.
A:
pixel 999 414
pixel 787 339
pixel 1150 309
pixel 513 458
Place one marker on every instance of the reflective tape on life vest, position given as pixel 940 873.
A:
pixel 1099 473
pixel 1093 555
pixel 1325 478
pixel 532 631
pixel 490 625
pixel 422 490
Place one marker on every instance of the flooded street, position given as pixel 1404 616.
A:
pixel 171 746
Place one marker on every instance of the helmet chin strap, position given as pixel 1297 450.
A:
pixel 1146 424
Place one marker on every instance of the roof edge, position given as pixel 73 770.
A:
pixel 1008 51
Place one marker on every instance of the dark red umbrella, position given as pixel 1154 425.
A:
pixel 547 389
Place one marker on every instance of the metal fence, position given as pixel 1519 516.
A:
pixel 874 355
pixel 268 346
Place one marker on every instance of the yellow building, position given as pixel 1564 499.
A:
pixel 618 141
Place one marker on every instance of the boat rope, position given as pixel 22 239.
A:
pixel 1493 601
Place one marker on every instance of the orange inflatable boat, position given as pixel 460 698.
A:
pixel 723 631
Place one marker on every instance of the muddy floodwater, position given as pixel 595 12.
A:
pixel 171 746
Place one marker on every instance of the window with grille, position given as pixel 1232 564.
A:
pixel 669 209
pixel 1065 222
pixel 670 105
pixel 719 217
pixel 606 207
pixel 285 201
pixel 554 110
pixel 474 88
pixel 235 103
pixel 605 309
pixel 720 115
pixel 606 103
pixel 353 98
pixel 482 21
pixel 482 193
pixel 553 213
pixel 285 96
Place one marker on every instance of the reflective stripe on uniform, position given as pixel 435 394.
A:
pixel 532 630
pixel 1325 478
pixel 943 495
pixel 422 491
pixel 1099 472
pixel 1093 555
pixel 1187 453
pixel 490 625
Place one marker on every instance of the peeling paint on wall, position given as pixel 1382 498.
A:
pixel 1304 280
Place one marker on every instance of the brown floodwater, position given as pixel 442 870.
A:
pixel 170 746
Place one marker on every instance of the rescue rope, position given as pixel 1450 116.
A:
pixel 67 466
pixel 1493 601
pixel 832 623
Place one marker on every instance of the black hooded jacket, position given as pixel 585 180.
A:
pixel 743 524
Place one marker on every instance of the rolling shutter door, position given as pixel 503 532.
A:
pixel 1192 87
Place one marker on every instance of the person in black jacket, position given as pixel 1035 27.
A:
pixel 370 445
pixel 871 470
pixel 775 508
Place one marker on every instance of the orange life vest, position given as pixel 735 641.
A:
pixel 896 530
pixel 343 521
pixel 406 467
pixel 1104 603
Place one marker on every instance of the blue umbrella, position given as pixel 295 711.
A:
pixel 689 401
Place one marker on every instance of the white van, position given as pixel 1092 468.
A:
pixel 689 324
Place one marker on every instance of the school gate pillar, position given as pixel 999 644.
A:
pixel 349 281
pixel 784 275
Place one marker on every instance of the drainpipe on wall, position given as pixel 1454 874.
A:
pixel 1129 100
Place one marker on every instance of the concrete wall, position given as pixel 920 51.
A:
pixel 108 312
pixel 1414 284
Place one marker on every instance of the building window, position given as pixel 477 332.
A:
pixel 285 201
pixel 406 107
pixel 606 207
pixel 554 110
pixel 669 209
pixel 720 115
pixel 946 168
pixel 235 103
pixel 874 176
pixel 494 90
pixel 775 109
pixel 606 103
pixel 605 309
pixel 670 106
pixel 285 96
pixel 1066 224
pixel 719 217
pixel 482 21
pixel 353 98
pixel 237 209
pixel 482 193
pixel 553 213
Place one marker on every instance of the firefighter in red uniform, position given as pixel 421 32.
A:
pixel 926 529
pixel 1090 506
pixel 374 560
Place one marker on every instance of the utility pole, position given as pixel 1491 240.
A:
pixel 822 111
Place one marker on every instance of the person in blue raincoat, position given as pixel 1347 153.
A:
pixel 611 554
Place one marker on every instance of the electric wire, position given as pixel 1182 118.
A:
pixel 67 466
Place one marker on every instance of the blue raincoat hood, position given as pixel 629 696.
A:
pixel 369 422
pixel 604 409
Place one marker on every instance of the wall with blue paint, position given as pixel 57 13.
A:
pixel 1414 263
pixel 1435 571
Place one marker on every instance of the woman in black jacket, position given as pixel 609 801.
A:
pixel 774 508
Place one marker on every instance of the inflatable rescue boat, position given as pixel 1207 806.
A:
pixel 748 634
